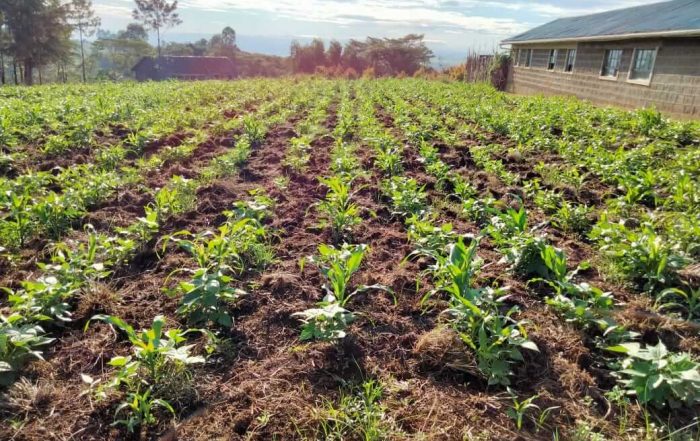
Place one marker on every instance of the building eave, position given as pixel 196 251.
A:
pixel 615 37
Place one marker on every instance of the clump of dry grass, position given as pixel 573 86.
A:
pixel 441 348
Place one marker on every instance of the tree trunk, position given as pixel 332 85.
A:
pixel 2 68
pixel 82 54
pixel 14 71
pixel 159 55
pixel 40 82
pixel 28 72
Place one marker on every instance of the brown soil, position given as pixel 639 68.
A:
pixel 432 389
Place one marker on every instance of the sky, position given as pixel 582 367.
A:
pixel 451 27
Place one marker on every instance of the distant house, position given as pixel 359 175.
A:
pixel 634 57
pixel 184 68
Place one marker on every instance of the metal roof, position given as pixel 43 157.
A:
pixel 189 65
pixel 677 17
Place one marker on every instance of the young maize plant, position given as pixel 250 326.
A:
pixel 475 314
pixel 388 155
pixel 329 321
pixel 406 196
pixel 74 267
pixel 644 257
pixel 434 166
pixel 585 306
pixel 158 367
pixel 521 248
pixel 19 342
pixel 340 213
pixel 658 377
pixel 298 154
pixel 240 246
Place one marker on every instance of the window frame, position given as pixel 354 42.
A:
pixel 517 57
pixel 646 81
pixel 605 59
pixel 566 60
pixel 555 53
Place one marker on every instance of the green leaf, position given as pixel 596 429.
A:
pixel 530 345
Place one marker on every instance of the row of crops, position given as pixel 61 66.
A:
pixel 313 259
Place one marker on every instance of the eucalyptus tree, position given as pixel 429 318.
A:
pixel 39 32
pixel 156 15
pixel 82 17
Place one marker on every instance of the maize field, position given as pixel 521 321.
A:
pixel 312 259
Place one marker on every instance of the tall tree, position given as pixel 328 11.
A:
pixel 117 53
pixel 157 14
pixel 228 36
pixel 39 30
pixel 133 31
pixel 305 59
pixel 224 44
pixel 334 53
pixel 82 17
pixel 4 45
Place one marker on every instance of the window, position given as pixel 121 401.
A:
pixel 552 61
pixel 642 64
pixel 516 56
pixel 528 57
pixel 611 63
pixel 570 60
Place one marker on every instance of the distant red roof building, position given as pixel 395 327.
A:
pixel 184 68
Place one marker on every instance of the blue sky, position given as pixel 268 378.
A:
pixel 451 27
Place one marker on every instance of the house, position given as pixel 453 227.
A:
pixel 184 68
pixel 635 57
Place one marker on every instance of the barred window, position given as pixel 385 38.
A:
pixel 611 63
pixel 642 64
pixel 570 60
pixel 552 61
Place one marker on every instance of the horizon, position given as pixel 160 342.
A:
pixel 452 28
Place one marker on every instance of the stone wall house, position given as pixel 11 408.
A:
pixel 184 68
pixel 645 56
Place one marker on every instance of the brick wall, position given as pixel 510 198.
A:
pixel 674 88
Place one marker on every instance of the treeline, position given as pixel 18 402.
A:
pixel 38 43
pixel 113 54
pixel 372 57
pixel 37 33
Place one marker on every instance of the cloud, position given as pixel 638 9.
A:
pixel 112 11
pixel 460 23
pixel 405 13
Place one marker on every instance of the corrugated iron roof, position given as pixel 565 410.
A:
pixel 657 18
pixel 191 65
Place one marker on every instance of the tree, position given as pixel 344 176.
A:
pixel 306 58
pixel 335 53
pixel 228 36
pixel 395 55
pixel 83 18
pixel 157 14
pixel 4 46
pixel 118 53
pixel 39 31
pixel 133 31
pixel 224 44
pixel 198 48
